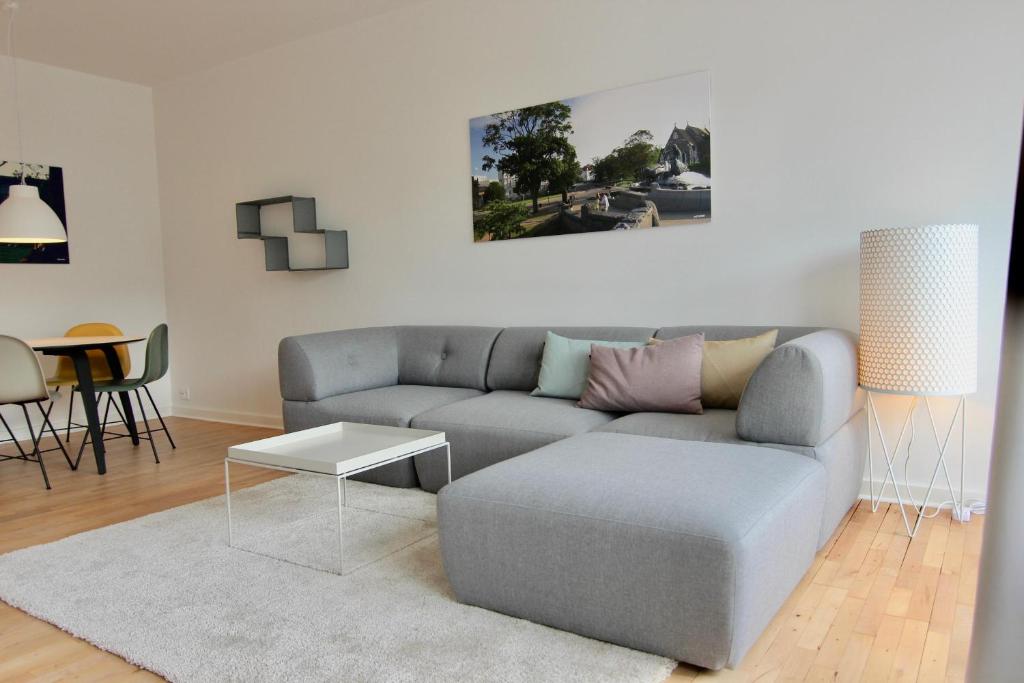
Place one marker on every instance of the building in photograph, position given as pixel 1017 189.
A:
pixel 694 143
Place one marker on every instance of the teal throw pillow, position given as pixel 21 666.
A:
pixel 565 364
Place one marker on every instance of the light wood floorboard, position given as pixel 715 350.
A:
pixel 874 606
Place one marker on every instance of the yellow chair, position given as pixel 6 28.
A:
pixel 65 375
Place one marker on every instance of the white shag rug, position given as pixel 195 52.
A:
pixel 166 593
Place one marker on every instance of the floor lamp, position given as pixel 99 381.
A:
pixel 918 338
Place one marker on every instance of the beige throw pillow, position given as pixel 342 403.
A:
pixel 727 366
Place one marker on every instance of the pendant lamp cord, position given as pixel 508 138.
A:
pixel 12 7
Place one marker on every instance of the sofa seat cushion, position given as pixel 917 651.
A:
pixel 497 426
pixel 393 406
pixel 716 425
pixel 681 548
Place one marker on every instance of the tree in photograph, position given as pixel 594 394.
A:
pixel 638 152
pixel 495 191
pixel 477 200
pixel 530 144
pixel 565 173
pixel 606 170
pixel 501 220
pixel 630 160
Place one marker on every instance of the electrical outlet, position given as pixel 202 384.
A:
pixel 185 394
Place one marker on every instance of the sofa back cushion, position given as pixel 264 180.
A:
pixel 726 332
pixel 315 366
pixel 445 355
pixel 803 392
pixel 515 360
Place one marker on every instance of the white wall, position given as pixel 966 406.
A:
pixel 100 131
pixel 828 118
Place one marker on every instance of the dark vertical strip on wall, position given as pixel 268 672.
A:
pixel 996 651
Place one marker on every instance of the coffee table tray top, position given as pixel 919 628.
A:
pixel 336 449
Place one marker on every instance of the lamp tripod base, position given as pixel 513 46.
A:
pixel 960 512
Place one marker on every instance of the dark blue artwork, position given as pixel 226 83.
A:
pixel 50 181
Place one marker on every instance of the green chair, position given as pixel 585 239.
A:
pixel 155 368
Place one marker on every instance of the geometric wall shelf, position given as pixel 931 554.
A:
pixel 247 217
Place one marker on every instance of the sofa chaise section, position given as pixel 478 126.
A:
pixel 805 394
pixel 803 398
pixel 382 375
pixel 680 548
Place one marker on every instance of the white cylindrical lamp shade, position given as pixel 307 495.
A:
pixel 27 219
pixel 919 310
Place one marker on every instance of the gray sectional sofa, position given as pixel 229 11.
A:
pixel 676 534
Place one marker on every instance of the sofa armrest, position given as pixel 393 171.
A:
pixel 315 366
pixel 803 392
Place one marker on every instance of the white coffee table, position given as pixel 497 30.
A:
pixel 337 450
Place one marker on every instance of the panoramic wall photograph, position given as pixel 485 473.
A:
pixel 631 158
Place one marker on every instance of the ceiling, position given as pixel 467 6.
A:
pixel 149 41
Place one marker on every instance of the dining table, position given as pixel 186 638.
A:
pixel 77 348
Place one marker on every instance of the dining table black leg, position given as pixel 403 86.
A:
pixel 85 387
pixel 117 372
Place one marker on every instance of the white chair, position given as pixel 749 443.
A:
pixel 22 382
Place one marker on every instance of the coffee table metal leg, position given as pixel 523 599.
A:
pixel 341 504
pixel 227 496
pixel 341 484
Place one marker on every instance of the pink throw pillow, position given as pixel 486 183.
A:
pixel 661 377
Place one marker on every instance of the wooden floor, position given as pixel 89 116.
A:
pixel 874 607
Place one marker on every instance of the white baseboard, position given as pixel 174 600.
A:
pixel 228 416
pixel 939 493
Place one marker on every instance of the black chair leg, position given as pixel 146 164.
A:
pixel 159 416
pixel 56 437
pixel 106 414
pixel 81 448
pixel 17 444
pixel 35 446
pixel 117 408
pixel 71 405
pixel 145 421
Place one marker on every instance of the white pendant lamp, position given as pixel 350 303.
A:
pixel 24 217
pixel 27 219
